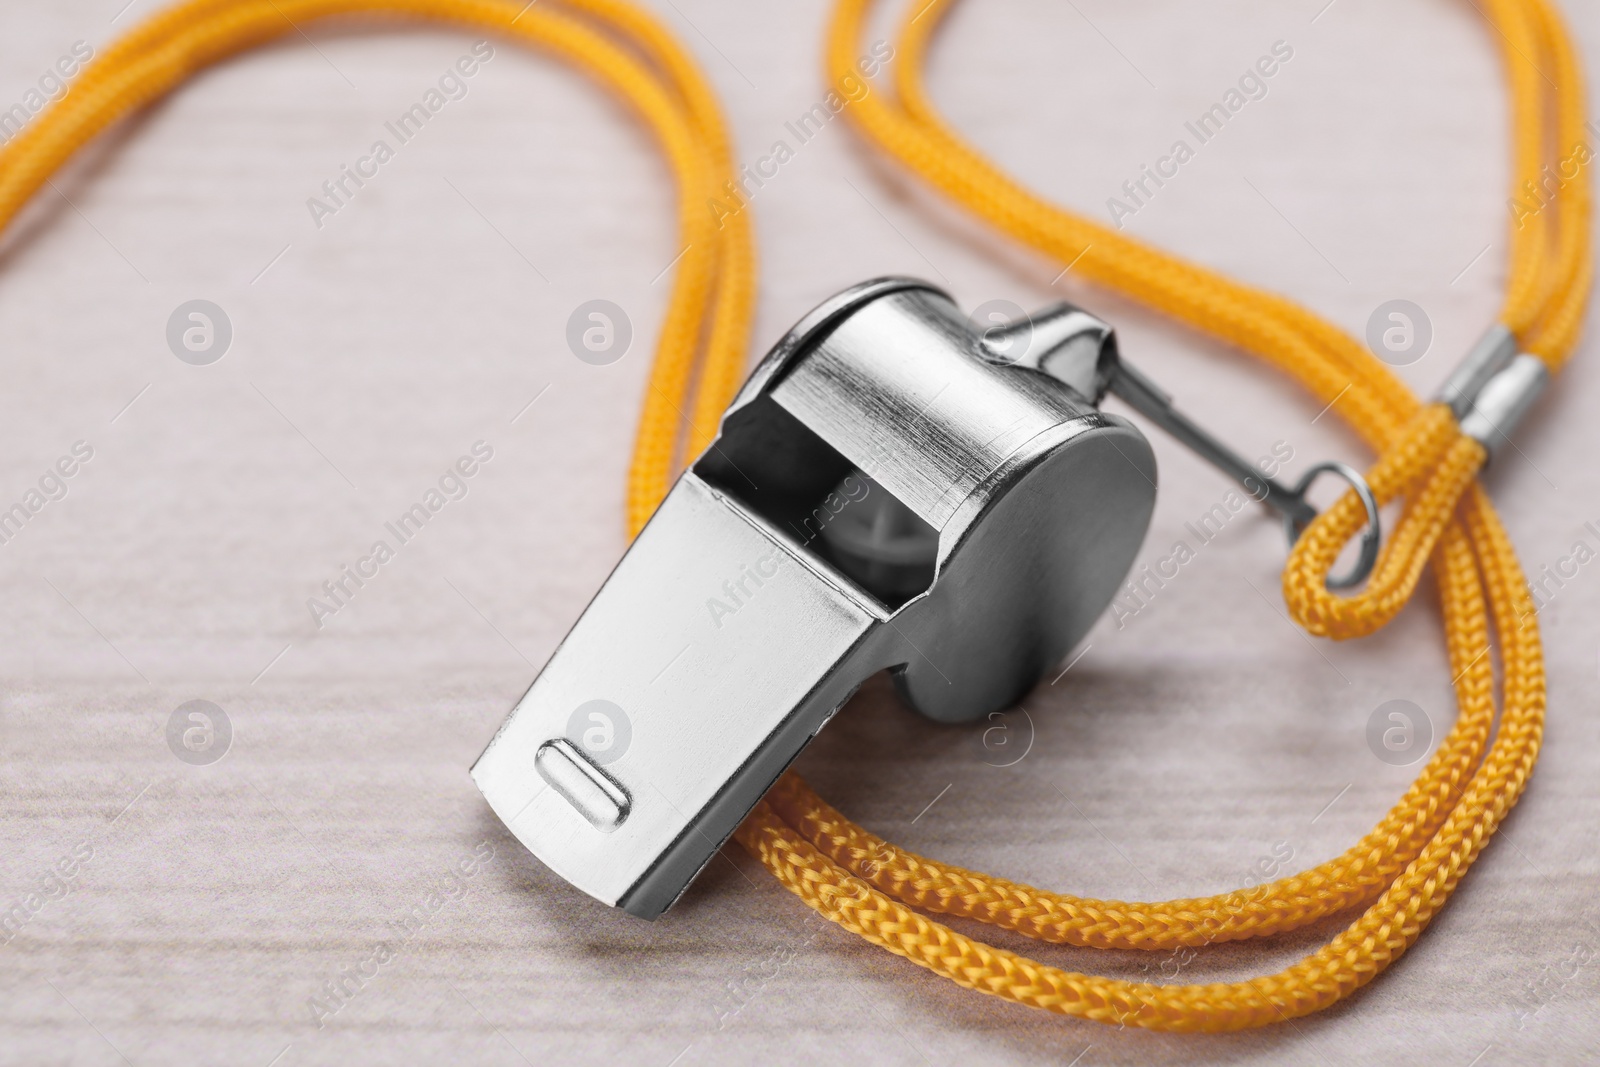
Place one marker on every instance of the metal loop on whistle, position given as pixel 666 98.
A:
pixel 1076 348
pixel 1144 396
pixel 1371 537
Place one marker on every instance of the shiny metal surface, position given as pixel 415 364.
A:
pixel 591 791
pixel 1080 350
pixel 1371 536
pixel 729 634
pixel 1063 341
pixel 715 705
pixel 1488 357
pixel 890 490
pixel 1500 403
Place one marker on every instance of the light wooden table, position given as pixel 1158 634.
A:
pixel 1183 749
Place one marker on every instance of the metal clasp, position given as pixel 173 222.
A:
pixel 1075 347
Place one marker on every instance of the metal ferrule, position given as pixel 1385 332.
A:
pixel 1493 352
pixel 1503 400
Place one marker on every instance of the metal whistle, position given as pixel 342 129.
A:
pixel 893 488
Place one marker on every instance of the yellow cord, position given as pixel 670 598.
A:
pixel 1404 870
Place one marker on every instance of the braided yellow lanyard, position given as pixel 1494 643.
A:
pixel 1404 870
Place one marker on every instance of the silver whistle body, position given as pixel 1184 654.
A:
pixel 887 492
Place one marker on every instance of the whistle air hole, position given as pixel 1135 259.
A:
pixel 877 541
pixel 777 466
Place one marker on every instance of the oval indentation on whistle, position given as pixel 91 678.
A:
pixel 593 792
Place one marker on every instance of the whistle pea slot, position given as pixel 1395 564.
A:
pixel 878 541
pixel 780 469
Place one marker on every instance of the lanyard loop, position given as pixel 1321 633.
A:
pixel 1404 870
